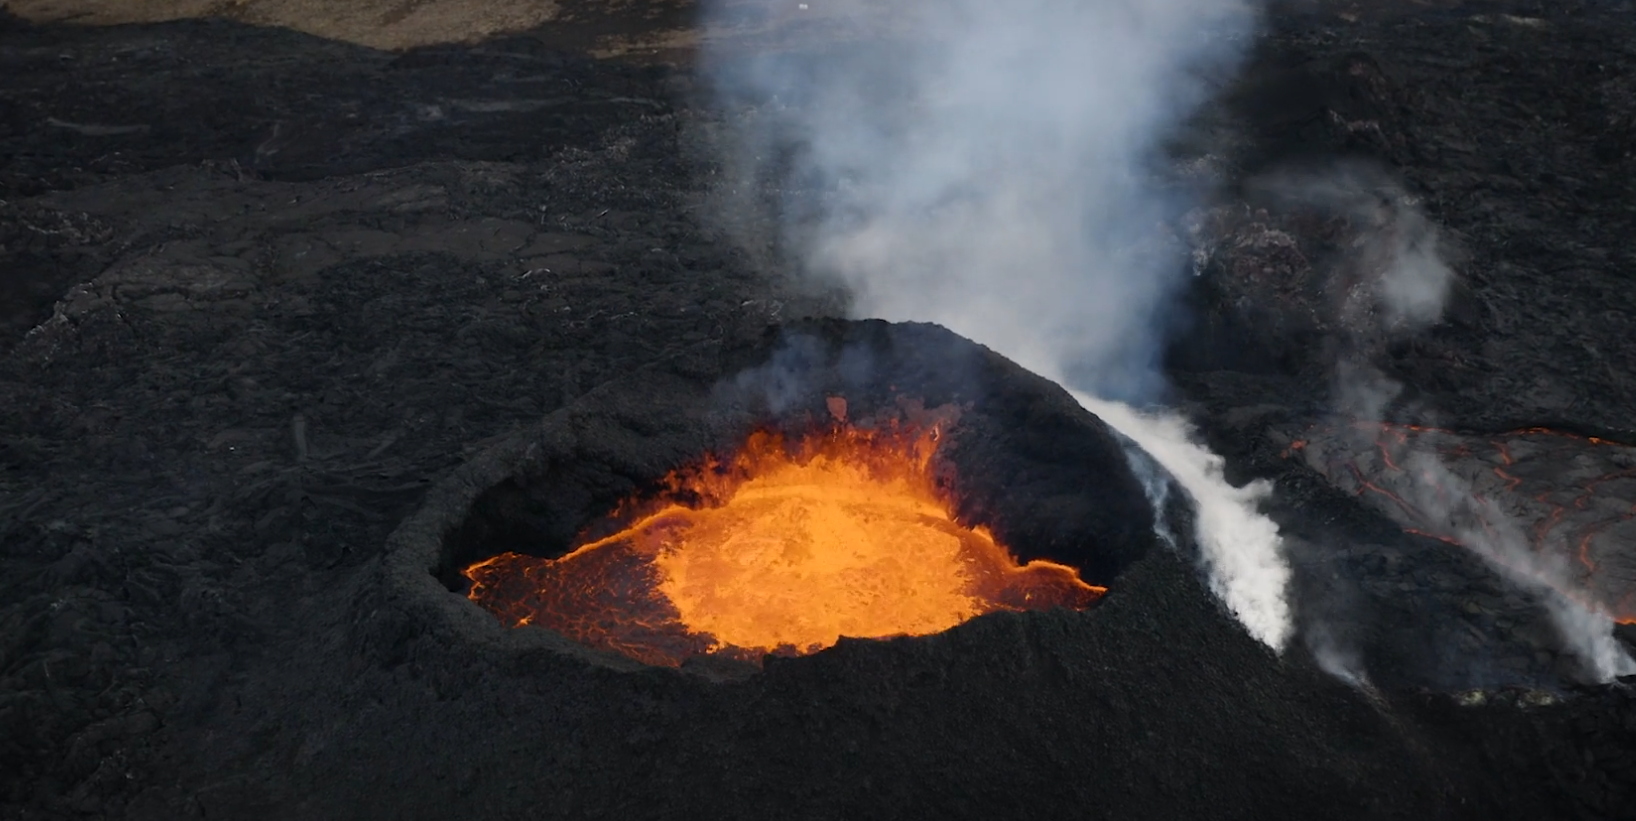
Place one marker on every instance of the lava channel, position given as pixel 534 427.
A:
pixel 782 548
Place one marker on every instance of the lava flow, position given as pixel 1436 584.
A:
pixel 783 548
pixel 1542 502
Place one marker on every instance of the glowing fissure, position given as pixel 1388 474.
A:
pixel 783 548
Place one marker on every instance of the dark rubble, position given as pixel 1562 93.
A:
pixel 269 299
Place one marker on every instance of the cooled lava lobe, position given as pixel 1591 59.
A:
pixel 1007 452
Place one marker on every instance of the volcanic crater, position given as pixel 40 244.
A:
pixel 960 485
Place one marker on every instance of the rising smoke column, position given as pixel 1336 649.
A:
pixel 986 166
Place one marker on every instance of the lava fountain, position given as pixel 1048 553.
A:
pixel 782 547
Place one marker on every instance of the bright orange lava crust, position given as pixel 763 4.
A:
pixel 783 548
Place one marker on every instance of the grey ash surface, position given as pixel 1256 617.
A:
pixel 280 288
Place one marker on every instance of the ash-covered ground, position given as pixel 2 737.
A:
pixel 261 292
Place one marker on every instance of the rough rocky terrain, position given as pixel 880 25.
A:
pixel 1506 127
pixel 376 23
pixel 261 292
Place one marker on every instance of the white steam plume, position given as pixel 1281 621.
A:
pixel 1240 547
pixel 989 171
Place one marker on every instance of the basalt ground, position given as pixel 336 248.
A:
pixel 269 297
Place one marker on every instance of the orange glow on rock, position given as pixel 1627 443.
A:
pixel 783 548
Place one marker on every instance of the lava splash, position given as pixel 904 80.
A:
pixel 781 548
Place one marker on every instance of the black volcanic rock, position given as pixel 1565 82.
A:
pixel 267 299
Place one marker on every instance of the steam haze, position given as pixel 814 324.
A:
pixel 988 170
pixel 987 166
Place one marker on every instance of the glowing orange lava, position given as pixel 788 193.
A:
pixel 783 548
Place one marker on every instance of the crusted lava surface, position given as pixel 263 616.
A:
pixel 289 328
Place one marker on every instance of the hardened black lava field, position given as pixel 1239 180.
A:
pixel 281 317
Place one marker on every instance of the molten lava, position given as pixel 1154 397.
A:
pixel 783 548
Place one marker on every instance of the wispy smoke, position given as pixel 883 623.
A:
pixel 1396 282
pixel 1399 272
pixel 988 166
pixel 1334 656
